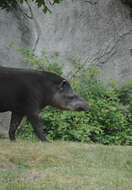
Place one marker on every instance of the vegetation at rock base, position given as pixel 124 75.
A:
pixel 109 120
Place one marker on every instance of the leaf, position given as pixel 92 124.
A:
pixel 45 10
pixel 57 1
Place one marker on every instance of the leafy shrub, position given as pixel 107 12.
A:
pixel 110 114
pixel 125 92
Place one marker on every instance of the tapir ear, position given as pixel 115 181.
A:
pixel 62 84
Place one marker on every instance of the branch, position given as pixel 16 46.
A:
pixel 24 13
pixel 30 9
pixel 90 2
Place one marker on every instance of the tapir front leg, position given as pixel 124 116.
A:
pixel 14 123
pixel 37 126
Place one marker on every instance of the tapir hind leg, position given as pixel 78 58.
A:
pixel 14 123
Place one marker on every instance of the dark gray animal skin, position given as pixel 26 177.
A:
pixel 26 92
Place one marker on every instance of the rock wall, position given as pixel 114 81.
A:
pixel 14 28
pixel 98 30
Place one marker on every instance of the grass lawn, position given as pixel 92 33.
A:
pixel 26 165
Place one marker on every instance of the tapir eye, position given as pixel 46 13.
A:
pixel 71 97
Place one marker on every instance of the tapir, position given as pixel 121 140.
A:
pixel 24 92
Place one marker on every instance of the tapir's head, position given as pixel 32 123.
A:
pixel 65 98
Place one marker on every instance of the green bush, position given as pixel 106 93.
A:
pixel 110 113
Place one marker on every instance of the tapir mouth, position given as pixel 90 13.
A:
pixel 78 109
pixel 85 109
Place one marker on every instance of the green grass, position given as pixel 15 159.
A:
pixel 26 165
